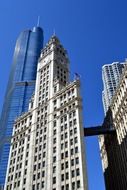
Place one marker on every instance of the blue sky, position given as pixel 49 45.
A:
pixel 93 32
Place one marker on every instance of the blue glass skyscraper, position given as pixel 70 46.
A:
pixel 19 90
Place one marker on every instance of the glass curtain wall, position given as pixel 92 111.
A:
pixel 19 90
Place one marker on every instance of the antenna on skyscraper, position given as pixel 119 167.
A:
pixel 38 21
pixel 54 32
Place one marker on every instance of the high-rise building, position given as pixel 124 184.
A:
pixel 110 76
pixel 19 90
pixel 114 147
pixel 47 148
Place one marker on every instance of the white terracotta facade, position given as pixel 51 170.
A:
pixel 47 151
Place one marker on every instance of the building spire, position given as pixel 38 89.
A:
pixel 54 32
pixel 38 21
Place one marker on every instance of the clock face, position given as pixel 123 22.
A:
pixel 45 61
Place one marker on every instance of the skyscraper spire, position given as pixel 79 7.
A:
pixel 38 21
pixel 54 32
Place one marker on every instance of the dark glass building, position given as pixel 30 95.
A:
pixel 19 90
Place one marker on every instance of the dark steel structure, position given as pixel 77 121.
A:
pixel 98 130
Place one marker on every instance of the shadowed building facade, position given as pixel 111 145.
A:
pixel 19 90
pixel 114 147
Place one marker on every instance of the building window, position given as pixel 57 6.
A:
pixel 78 184
pixel 71 141
pixel 62 166
pixel 72 162
pixel 54 132
pixel 66 135
pixel 54 140
pixel 62 128
pixel 43 163
pixel 74 113
pixel 54 169
pixel 54 150
pixel 43 173
pixel 25 172
pixel 62 155
pixel 18 183
pixel 54 102
pixel 8 178
pixel 54 124
pixel 71 132
pixel 34 177
pixel 62 137
pixel 42 184
pixel 38 185
pixel 67 175
pixel 14 184
pixel 76 149
pixel 44 137
pixel 66 154
pixel 72 151
pixel 65 118
pixel 67 186
pixel 62 146
pixel 76 139
pixel 66 144
pixel 33 188
pixel 55 88
pixel 75 130
pixel 39 165
pixel 70 123
pixel 54 180
pixel 66 165
pixel 24 181
pixel 70 115
pixel 65 126
pixel 73 185
pixel 54 159
pixel 62 120
pixel 73 173
pixel 77 160
pixel 62 177
pixel 77 172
